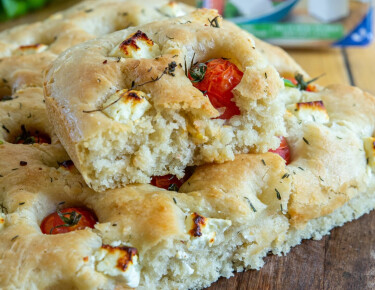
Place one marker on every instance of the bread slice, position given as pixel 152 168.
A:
pixel 125 115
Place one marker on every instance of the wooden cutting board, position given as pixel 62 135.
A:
pixel 346 258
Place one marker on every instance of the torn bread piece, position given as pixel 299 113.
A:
pixel 146 101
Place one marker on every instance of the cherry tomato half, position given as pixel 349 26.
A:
pixel 283 150
pixel 220 78
pixel 75 218
pixel 40 139
pixel 171 182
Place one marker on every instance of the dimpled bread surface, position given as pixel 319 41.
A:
pixel 246 207
pixel 174 124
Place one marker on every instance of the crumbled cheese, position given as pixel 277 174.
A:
pixel 203 230
pixel 30 49
pixel 131 105
pixel 137 45
pixel 369 144
pixel 172 9
pixel 2 220
pixel 310 112
pixel 119 262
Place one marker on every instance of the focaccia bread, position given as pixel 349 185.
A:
pixel 145 236
pixel 125 109
pixel 331 134
pixel 85 21
pixel 151 238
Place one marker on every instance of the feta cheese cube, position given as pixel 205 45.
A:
pixel 137 45
pixel 30 49
pixel 171 9
pixel 203 230
pixel 310 112
pixel 125 106
pixel 120 262
pixel 369 144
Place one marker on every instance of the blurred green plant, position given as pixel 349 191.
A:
pixel 13 8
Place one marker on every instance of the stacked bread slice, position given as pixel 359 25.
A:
pixel 125 110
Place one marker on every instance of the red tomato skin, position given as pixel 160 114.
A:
pixel 220 79
pixel 88 219
pixel 283 150
pixel 167 180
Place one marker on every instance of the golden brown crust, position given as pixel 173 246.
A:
pixel 329 165
pixel 94 73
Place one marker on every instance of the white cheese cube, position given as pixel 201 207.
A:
pixel 2 220
pixel 203 230
pixel 137 45
pixel 172 9
pixel 125 106
pixel 310 112
pixel 369 144
pixel 30 49
pixel 120 262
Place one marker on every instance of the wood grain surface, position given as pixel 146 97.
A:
pixel 346 258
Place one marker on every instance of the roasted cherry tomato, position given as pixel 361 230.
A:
pixel 28 138
pixel 283 150
pixel 68 220
pixel 217 78
pixel 171 182
pixel 40 139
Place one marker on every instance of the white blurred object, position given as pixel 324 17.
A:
pixel 253 8
pixel 328 10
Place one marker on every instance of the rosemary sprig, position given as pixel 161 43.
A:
pixel 72 219
pixel 197 72
pixel 169 70
pixel 214 22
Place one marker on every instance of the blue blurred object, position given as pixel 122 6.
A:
pixel 360 35
pixel 279 12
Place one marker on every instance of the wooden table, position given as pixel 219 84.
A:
pixel 346 258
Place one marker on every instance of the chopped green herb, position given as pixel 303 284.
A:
pixel 299 167
pixel 264 162
pixel 14 238
pixel 278 194
pixel 173 187
pixel 6 129
pixel 3 209
pixel 321 178
pixel 302 84
pixel 21 203
pixel 286 175
pixel 214 22
pixel 174 200
pixel 72 219
pixel 197 72
pixel 250 204
pixel 305 140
